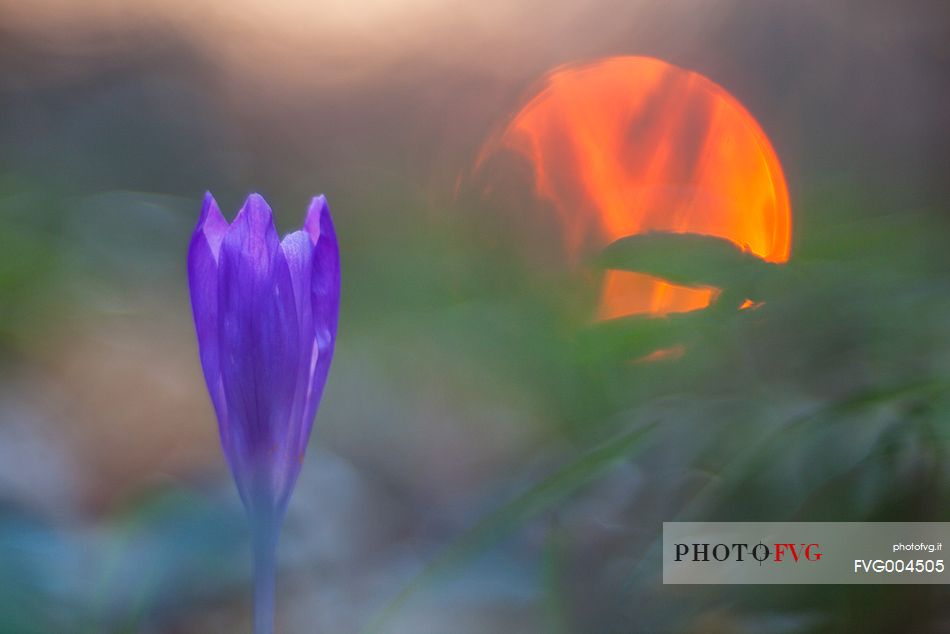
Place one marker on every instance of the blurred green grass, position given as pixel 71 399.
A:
pixel 827 402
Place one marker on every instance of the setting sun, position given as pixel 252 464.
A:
pixel 629 145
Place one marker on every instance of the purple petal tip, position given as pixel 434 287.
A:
pixel 209 209
pixel 317 216
pixel 211 224
pixel 256 208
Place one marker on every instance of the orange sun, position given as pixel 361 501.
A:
pixel 628 145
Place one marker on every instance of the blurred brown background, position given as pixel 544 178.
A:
pixel 467 372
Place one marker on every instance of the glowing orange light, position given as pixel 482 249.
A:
pixel 627 145
pixel 663 354
pixel 750 305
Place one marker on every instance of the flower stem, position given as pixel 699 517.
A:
pixel 264 535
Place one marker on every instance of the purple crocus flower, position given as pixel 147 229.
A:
pixel 265 313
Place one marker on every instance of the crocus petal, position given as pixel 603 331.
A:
pixel 259 340
pixel 298 251
pixel 312 222
pixel 212 224
pixel 203 284
pixel 325 295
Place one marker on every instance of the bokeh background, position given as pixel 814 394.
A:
pixel 487 457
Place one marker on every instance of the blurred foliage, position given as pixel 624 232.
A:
pixel 552 491
pixel 695 260
pixel 121 576
pixel 31 263
pixel 828 402
pixel 63 253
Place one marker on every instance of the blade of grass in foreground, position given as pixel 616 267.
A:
pixel 544 495
pixel 692 260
